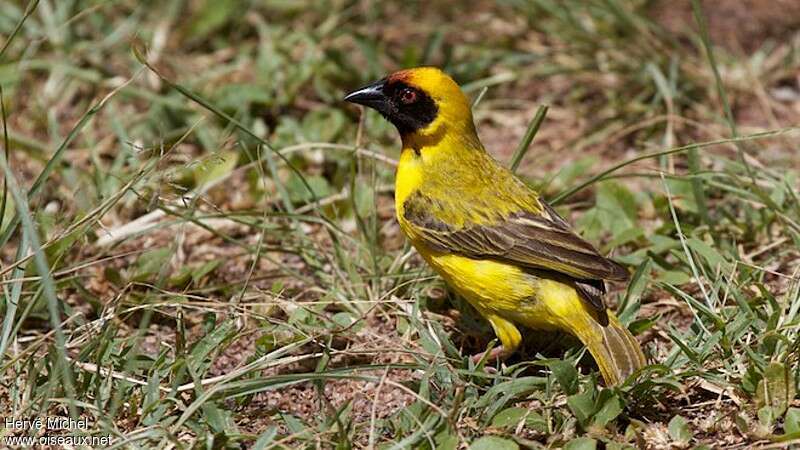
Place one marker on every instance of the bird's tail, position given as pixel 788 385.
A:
pixel 613 347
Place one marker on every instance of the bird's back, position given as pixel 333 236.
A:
pixel 469 188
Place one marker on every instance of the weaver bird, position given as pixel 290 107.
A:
pixel 490 236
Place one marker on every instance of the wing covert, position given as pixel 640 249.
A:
pixel 537 240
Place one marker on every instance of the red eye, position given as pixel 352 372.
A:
pixel 408 96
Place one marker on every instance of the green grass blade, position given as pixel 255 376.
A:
pixel 47 281
pixel 697 10
pixel 602 175
pixel 530 133
pixel 28 11
pixel 52 163
pixel 7 146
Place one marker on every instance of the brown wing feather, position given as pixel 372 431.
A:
pixel 593 292
pixel 534 240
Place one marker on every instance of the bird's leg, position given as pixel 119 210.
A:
pixel 509 335
pixel 500 353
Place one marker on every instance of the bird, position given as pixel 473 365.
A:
pixel 491 237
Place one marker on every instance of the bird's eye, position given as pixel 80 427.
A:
pixel 408 96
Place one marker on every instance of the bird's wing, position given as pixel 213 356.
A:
pixel 533 239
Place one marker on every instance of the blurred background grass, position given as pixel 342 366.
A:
pixel 202 252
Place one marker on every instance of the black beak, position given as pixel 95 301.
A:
pixel 370 95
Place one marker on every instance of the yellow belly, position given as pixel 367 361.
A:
pixel 486 284
pixel 507 291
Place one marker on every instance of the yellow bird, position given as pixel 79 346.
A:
pixel 490 236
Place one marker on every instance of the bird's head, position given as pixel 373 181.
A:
pixel 422 103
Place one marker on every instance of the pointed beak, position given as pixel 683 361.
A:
pixel 370 95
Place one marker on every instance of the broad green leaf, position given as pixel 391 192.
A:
pixel 266 438
pixel 446 439
pixel 151 262
pixel 210 342
pixel 682 194
pixel 266 343
pixel 237 95
pixel 679 430
pixel 615 211
pixel 364 198
pixel 322 125
pixel 201 271
pixel 211 15
pixel 298 193
pixel 509 417
pixel 766 417
pixel 215 167
pixel 641 325
pixel 674 277
pixel 536 422
pixel 590 224
pixel 712 256
pixel 636 287
pixel 611 408
pixel 113 275
pixel 619 198
pixel 220 420
pixel 791 422
pixel 626 236
pixel 582 406
pixel 493 443
pixel 742 424
pixel 566 374
pixel 294 424
pixel 776 389
pixel 581 443
pixel 750 380
pixel 345 319
pixel 571 171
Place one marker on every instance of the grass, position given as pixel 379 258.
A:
pixel 199 249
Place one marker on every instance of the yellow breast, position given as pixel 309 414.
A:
pixel 408 179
